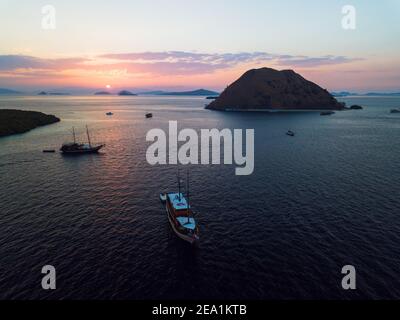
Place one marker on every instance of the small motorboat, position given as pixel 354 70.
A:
pixel 163 197
pixel 327 113
pixel 290 133
pixel 149 115
pixel 49 151
pixel 109 114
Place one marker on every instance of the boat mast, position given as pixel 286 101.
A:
pixel 73 133
pixel 188 196
pixel 87 131
pixel 179 186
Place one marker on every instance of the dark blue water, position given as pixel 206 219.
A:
pixel 324 199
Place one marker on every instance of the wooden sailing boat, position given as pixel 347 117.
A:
pixel 180 214
pixel 80 148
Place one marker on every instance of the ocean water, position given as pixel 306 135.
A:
pixel 326 198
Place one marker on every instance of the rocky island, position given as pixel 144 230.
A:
pixel 126 93
pixel 18 121
pixel 102 93
pixel 269 89
pixel 44 93
pixel 8 91
pixel 199 92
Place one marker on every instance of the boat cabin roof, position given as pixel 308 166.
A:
pixel 187 223
pixel 178 204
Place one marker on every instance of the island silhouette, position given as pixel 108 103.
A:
pixel 270 89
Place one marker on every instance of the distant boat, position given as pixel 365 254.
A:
pixel 327 113
pixel 180 215
pixel 149 115
pixel 395 111
pixel 49 150
pixel 290 133
pixel 80 148
pixel 109 113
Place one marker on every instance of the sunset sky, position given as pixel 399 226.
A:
pixel 204 44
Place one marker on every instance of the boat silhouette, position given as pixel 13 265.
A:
pixel 80 148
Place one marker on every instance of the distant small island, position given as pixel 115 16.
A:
pixel 126 93
pixel 368 94
pixel 268 89
pixel 18 121
pixel 102 93
pixel 199 92
pixel 8 91
pixel 44 93
pixel 151 93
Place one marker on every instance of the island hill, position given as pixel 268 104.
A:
pixel 199 92
pixel 102 93
pixel 126 93
pixel 269 89
pixel 18 121
pixel 45 93
pixel 121 93
pixel 8 91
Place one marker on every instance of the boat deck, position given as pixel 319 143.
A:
pixel 178 202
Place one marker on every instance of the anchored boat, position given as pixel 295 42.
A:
pixel 80 148
pixel 180 214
